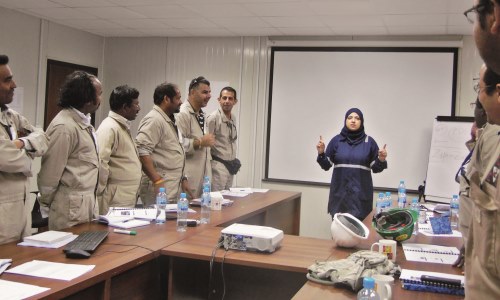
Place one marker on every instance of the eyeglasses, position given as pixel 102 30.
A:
pixel 478 88
pixel 472 105
pixel 471 13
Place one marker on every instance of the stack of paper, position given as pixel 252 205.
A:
pixel 48 239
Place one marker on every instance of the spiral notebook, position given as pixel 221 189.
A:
pixel 431 253
pixel 411 280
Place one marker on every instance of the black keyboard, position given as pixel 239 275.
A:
pixel 88 241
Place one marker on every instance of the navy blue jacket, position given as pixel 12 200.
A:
pixel 351 188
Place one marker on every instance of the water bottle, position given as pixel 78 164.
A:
pixel 454 212
pixel 415 207
pixel 205 206
pixel 388 201
pixel 379 206
pixel 401 194
pixel 368 290
pixel 161 203
pixel 206 184
pixel 182 211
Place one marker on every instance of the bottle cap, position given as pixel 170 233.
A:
pixel 381 194
pixel 162 189
pixel 183 195
pixel 415 200
pixel 368 283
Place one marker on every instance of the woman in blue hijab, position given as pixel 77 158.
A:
pixel 354 155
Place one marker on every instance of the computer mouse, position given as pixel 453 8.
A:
pixel 77 253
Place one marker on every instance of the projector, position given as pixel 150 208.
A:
pixel 251 238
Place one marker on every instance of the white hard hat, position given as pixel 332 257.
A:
pixel 347 231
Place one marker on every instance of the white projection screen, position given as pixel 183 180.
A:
pixel 399 90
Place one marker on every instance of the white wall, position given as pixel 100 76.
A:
pixel 145 62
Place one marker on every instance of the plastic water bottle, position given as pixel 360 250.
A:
pixel 368 290
pixel 454 212
pixel 379 206
pixel 205 206
pixel 206 184
pixel 401 194
pixel 415 207
pixel 182 211
pixel 161 203
pixel 388 201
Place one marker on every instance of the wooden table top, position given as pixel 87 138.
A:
pixel 296 253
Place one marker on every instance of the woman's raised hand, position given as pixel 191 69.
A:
pixel 321 145
pixel 382 153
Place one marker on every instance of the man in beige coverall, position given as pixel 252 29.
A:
pixel 222 123
pixel 482 256
pixel 120 169
pixel 68 177
pixel 19 143
pixel 196 142
pixel 160 151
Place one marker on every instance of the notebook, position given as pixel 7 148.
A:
pixel 431 253
pixel 47 238
pixel 411 280
pixel 130 224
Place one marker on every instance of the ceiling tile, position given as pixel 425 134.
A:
pixel 416 30
pixel 94 24
pixel 279 9
pixel 462 30
pixel 220 10
pixel 458 20
pixel 111 12
pixel 232 22
pixel 164 11
pixel 293 21
pixel 28 4
pixel 140 23
pixel 370 30
pixel 346 21
pixel 188 23
pixel 59 13
pixel 84 3
pixel 415 20
pixel 410 6
pixel 342 7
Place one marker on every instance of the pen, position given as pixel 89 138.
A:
pixel 130 232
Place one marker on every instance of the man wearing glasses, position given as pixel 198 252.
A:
pixel 482 256
pixel 485 15
pixel 222 124
pixel 120 169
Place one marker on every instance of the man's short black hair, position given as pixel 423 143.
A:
pixel 164 89
pixel 77 90
pixel 229 89
pixel 122 95
pixel 487 8
pixel 197 81
pixel 4 59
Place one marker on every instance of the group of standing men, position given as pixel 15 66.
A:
pixel 84 172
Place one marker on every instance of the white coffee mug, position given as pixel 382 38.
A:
pixel 383 286
pixel 216 203
pixel 388 247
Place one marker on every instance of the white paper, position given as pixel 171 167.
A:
pixel 4 264
pixel 260 190
pixel 14 290
pixel 130 224
pixel 431 253
pixel 247 190
pixel 197 202
pixel 234 194
pixel 51 270
pixel 52 246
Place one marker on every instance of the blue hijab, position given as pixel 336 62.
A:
pixel 354 137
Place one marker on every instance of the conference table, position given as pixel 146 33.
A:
pixel 279 275
pixel 131 267
pixel 160 262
